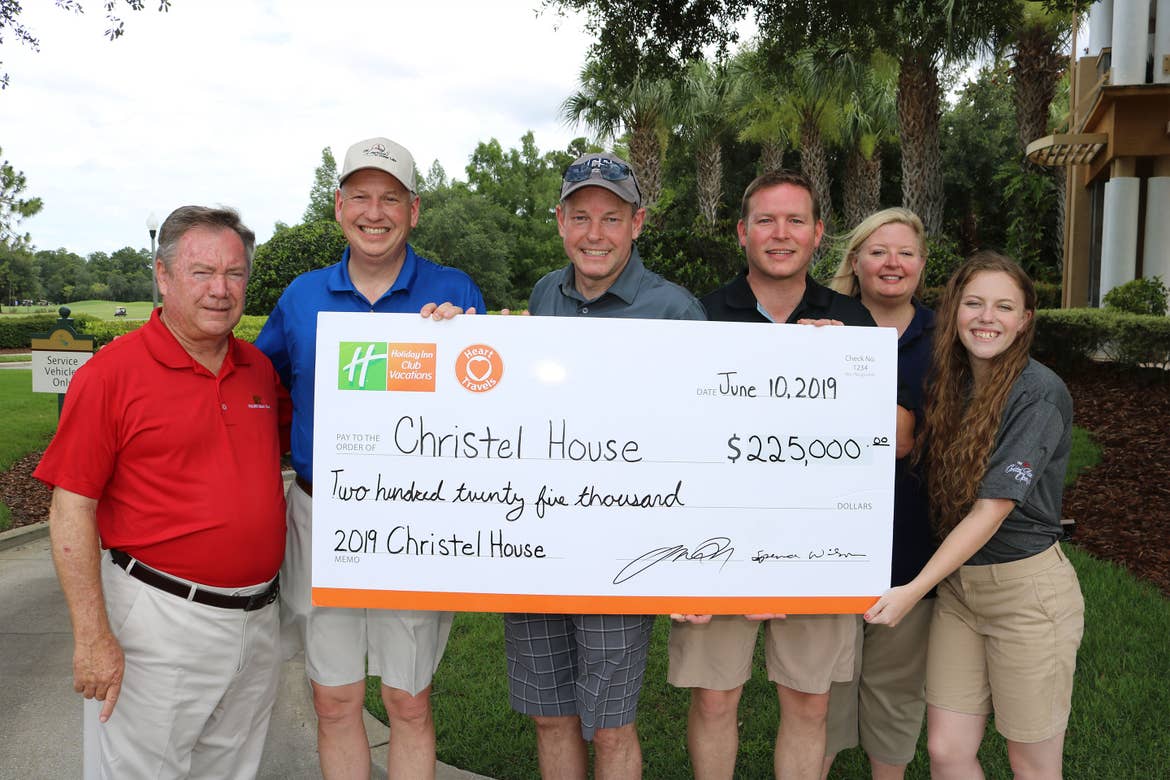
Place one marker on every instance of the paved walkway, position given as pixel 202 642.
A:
pixel 40 715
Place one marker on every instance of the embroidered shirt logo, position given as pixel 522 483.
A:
pixel 1021 470
pixel 258 403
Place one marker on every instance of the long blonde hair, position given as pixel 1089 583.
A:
pixel 844 280
pixel 962 418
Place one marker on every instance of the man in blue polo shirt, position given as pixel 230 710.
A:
pixel 377 205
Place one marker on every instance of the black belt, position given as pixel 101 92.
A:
pixel 304 485
pixel 194 593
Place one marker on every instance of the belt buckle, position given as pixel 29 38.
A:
pixel 258 600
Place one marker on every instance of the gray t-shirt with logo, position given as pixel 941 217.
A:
pixel 1027 466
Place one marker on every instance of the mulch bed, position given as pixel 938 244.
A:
pixel 1121 506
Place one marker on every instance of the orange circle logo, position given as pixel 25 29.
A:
pixel 479 368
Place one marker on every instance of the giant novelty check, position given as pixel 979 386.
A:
pixel 543 464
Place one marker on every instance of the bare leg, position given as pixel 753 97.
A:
pixel 560 749
pixel 953 739
pixel 617 755
pixel 800 741
pixel 412 733
pixel 1037 760
pixel 827 766
pixel 883 771
pixel 342 746
pixel 713 732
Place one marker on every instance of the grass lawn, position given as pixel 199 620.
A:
pixel 135 310
pixel 1116 729
pixel 27 421
pixel 16 359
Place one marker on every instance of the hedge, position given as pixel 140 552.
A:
pixel 18 332
pixel 1067 337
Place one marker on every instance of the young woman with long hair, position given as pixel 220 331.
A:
pixel 1009 614
pixel 881 709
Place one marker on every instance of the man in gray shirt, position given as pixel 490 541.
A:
pixel 579 676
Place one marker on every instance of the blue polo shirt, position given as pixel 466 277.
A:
pixel 289 338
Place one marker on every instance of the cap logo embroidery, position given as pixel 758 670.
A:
pixel 378 150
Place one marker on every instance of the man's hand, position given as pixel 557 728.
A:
pixel 98 665
pixel 818 323
pixel 696 619
pixel 767 616
pixel 443 311
pixel 506 312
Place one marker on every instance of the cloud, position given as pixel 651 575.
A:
pixel 226 102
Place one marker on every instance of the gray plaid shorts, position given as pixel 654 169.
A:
pixel 585 665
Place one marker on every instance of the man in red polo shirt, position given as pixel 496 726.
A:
pixel 167 456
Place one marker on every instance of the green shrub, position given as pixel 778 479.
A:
pixel 1138 340
pixel 1140 296
pixel 249 327
pixel 1065 337
pixel 942 258
pixel 18 332
pixel 699 258
pixel 287 255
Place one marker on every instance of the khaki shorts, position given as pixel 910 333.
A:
pixel 1004 639
pixel 881 708
pixel 804 652
pixel 401 646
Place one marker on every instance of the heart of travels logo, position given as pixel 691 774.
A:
pixel 479 368
pixel 402 366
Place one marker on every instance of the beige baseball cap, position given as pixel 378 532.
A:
pixel 382 154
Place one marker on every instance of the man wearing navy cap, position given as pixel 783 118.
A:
pixel 579 676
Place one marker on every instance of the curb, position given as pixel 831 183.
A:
pixel 26 533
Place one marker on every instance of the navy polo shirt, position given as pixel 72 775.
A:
pixel 913 535
pixel 735 302
pixel 289 338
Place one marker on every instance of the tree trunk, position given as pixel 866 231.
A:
pixel 646 157
pixel 771 156
pixel 918 116
pixel 1035 70
pixel 863 185
pixel 814 163
pixel 709 180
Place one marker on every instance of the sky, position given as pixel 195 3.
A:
pixel 231 102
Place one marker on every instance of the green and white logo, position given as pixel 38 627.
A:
pixel 362 366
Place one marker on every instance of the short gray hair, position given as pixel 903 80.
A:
pixel 184 218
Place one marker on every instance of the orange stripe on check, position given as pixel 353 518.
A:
pixel 608 605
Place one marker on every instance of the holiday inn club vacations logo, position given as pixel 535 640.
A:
pixel 364 365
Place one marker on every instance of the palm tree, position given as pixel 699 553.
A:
pixel 1038 60
pixel 868 120
pixel 702 109
pixel 638 108
pixel 925 34
pixel 759 108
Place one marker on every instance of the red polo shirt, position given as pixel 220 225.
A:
pixel 185 465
